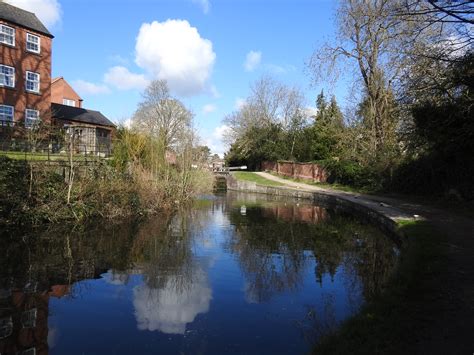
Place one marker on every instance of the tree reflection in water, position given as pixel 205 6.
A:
pixel 273 246
pixel 37 266
pixel 176 287
pixel 273 254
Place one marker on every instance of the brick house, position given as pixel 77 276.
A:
pixel 62 93
pixel 93 130
pixel 25 66
pixel 27 92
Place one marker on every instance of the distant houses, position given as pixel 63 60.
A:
pixel 28 94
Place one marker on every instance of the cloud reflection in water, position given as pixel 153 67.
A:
pixel 169 309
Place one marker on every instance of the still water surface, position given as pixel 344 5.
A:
pixel 236 273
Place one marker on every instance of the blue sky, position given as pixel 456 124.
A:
pixel 210 51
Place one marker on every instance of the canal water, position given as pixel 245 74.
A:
pixel 231 274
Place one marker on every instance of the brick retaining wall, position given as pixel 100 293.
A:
pixel 308 171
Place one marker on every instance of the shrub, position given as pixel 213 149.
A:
pixel 351 173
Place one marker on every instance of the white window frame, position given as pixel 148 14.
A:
pixel 5 75
pixel 3 117
pixel 30 36
pixel 32 117
pixel 4 35
pixel 69 102
pixel 36 83
pixel 28 318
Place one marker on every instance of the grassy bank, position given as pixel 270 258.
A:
pixel 57 157
pixel 35 193
pixel 253 177
pixel 393 321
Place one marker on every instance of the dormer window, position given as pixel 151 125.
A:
pixel 32 43
pixel 7 35
pixel 32 82
pixel 69 102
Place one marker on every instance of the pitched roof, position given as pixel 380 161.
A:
pixel 81 115
pixel 60 78
pixel 23 18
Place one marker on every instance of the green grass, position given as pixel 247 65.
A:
pixel 44 156
pixel 391 322
pixel 249 176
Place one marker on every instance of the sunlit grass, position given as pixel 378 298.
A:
pixel 44 156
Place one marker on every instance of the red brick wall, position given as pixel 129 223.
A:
pixel 305 213
pixel 22 60
pixel 285 169
pixel 304 171
pixel 60 89
pixel 308 171
pixel 269 166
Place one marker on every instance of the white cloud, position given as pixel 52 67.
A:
pixel 48 11
pixel 275 69
pixel 221 131
pixel 86 88
pixel 118 59
pixel 174 51
pixel 239 103
pixel 123 79
pixel 208 108
pixel 252 60
pixel 215 141
pixel 127 123
pixel 115 278
pixel 454 46
pixel 205 5
pixel 53 335
pixel 310 111
pixel 214 92
pixel 170 308
pixel 278 69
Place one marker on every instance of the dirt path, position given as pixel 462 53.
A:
pixel 449 327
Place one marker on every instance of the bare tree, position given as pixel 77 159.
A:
pixel 375 42
pixel 448 23
pixel 162 116
pixel 269 102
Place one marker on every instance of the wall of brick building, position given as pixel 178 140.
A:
pixel 309 171
pixel 22 60
pixel 60 90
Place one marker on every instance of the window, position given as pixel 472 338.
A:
pixel 6 115
pixel 7 76
pixel 32 43
pixel 7 35
pixel 69 102
pixel 31 117
pixel 6 327
pixel 32 81
pixel 28 318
